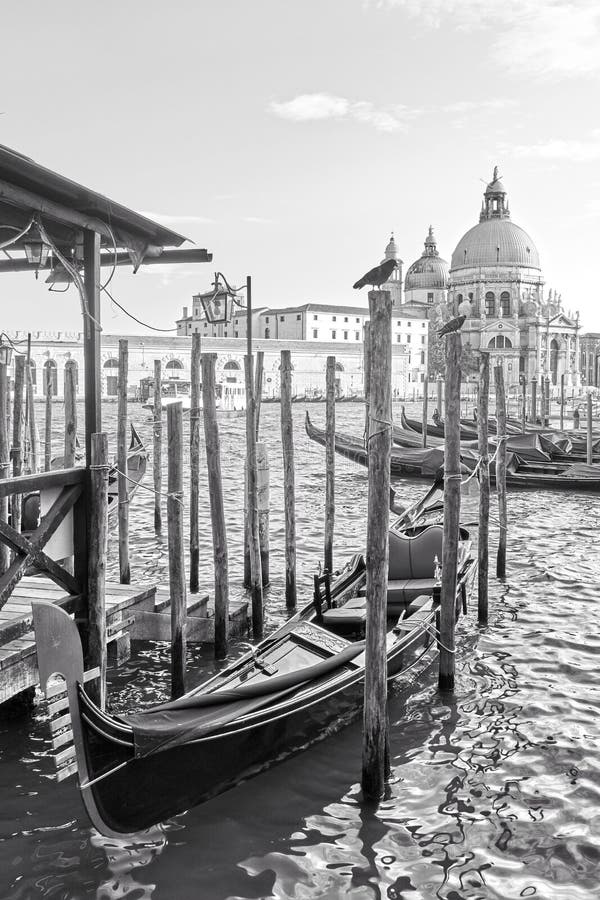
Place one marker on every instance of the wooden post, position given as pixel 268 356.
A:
pixel 195 388
pixel 501 470
pixel 256 592
pixel 258 382
pixel 546 415
pixel 70 391
pixel 177 590
pixel 98 534
pixel 452 479
pixel 217 514
pixel 289 496
pixel 425 415
pixel 534 400
pixel 4 462
pixel 590 437
pixel 33 434
pixel 17 445
pixel 123 486
pixel 262 488
pixel 440 394
pixel 329 462
pixel 375 757
pixel 562 401
pixel 523 403
pixel 91 337
pixel 157 444
pixel 367 377
pixel 484 488
pixel 48 422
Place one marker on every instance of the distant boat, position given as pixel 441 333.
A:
pixel 230 397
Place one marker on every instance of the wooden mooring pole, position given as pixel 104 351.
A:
pixel 97 551
pixel 425 414
pixel 590 436
pixel 70 392
pixel 258 388
pixel 367 377
pixel 252 531
pixel 122 443
pixel 33 433
pixel 157 444
pixel 562 401
pixel 195 387
pixel 534 400
pixel 501 470
pixel 452 479
pixel 17 444
pixel 484 490
pixel 48 421
pixel 329 463
pixel 4 462
pixel 217 512
pixel 177 585
pixel 523 402
pixel 440 395
pixel 375 757
pixel 289 495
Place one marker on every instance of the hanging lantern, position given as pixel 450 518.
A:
pixel 6 352
pixel 36 250
pixel 216 305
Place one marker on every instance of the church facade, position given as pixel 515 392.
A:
pixel 495 279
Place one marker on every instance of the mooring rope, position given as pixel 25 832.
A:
pixel 174 495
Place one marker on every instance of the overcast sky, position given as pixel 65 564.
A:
pixel 290 139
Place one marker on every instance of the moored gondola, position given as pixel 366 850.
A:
pixel 296 686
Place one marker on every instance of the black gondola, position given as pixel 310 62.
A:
pixel 295 687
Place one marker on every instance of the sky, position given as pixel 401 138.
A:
pixel 290 138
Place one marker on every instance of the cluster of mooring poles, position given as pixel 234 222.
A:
pixel 377 355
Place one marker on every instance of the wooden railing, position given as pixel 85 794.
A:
pixel 65 493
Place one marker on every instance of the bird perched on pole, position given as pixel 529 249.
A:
pixel 377 276
pixel 453 325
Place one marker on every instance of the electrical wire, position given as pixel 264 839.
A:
pixel 131 316
pixel 18 236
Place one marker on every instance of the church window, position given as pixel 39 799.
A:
pixel 430 298
pixel 505 303
pixel 470 295
pixel 500 343
pixel 490 304
pixel 460 298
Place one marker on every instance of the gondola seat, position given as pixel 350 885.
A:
pixel 411 570
pixel 349 618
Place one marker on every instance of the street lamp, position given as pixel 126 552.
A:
pixel 218 303
pixel 36 249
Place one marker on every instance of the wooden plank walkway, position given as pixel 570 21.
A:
pixel 137 611
pixel 18 660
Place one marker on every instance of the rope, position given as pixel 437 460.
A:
pixel 174 495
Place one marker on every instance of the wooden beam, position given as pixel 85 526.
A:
pixel 91 338
pixel 17 196
pixel 43 480
pixel 187 256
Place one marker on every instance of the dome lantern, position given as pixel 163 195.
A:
pixel 430 272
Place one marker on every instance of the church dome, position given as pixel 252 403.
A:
pixel 428 272
pixel 495 241
pixel 391 251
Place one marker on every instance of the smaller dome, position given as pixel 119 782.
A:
pixel 428 272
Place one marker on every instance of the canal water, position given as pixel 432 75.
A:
pixel 495 791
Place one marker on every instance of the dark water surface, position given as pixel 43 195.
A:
pixel 496 792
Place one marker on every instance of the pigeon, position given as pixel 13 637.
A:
pixel 377 276
pixel 453 325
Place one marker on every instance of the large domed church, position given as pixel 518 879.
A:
pixel 495 279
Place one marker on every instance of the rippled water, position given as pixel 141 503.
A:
pixel 495 792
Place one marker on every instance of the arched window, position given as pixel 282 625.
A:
pixel 460 298
pixel 50 372
pixel 174 366
pixel 339 367
pixel 267 332
pixel 232 364
pixel 505 303
pixel 490 304
pixel 111 363
pixel 112 376
pixel 500 343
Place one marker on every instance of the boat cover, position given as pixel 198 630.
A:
pixel 199 714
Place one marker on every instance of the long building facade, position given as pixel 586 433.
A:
pixel 50 351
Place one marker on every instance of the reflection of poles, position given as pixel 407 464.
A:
pixel 256 590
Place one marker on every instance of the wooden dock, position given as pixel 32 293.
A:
pixel 133 612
